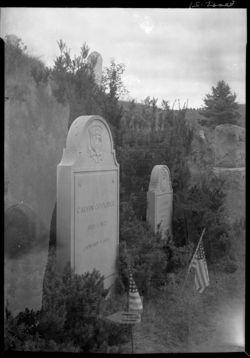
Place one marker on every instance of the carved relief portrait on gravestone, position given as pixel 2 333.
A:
pixel 95 148
pixel 164 184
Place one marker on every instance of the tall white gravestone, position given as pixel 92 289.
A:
pixel 160 200
pixel 88 200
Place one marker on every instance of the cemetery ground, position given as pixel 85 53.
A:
pixel 193 322
pixel 171 322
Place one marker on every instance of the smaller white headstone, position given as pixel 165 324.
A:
pixel 160 201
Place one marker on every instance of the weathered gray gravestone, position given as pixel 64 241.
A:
pixel 95 59
pixel 160 201
pixel 88 200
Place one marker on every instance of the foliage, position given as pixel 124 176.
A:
pixel 203 207
pixel 25 332
pixel 40 73
pixel 135 167
pixel 195 205
pixel 220 106
pixel 169 145
pixel 74 82
pixel 17 58
pixel 228 251
pixel 14 54
pixel 113 88
pixel 70 318
pixel 112 80
pixel 21 70
pixel 149 256
pixel 178 256
pixel 139 248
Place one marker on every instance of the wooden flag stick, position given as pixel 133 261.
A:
pixel 132 340
pixel 189 267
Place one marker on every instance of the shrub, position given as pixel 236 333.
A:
pixel 143 250
pixel 15 55
pixel 69 319
pixel 226 264
pixel 24 333
pixel 178 257
pixel 40 73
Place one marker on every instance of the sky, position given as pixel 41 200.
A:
pixel 168 54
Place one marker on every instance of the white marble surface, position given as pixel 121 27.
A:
pixel 160 200
pixel 88 199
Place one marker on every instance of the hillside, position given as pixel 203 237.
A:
pixel 192 115
pixel 35 130
pixel 35 134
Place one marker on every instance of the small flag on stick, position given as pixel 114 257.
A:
pixel 199 264
pixel 134 299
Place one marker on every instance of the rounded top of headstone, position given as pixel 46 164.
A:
pixel 160 179
pixel 94 55
pixel 22 207
pixel 89 142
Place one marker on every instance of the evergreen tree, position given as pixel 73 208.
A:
pixel 75 83
pixel 113 87
pixel 220 106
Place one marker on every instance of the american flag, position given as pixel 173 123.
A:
pixel 199 264
pixel 134 299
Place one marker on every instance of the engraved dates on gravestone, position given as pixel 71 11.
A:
pixel 88 199
pixel 160 201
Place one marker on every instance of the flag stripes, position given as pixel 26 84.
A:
pixel 199 265
pixel 134 299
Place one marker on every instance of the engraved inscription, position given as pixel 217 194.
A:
pixel 96 206
pixel 96 222
pixel 96 243
pixel 164 185
pixel 97 226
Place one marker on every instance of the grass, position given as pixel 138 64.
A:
pixel 194 322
